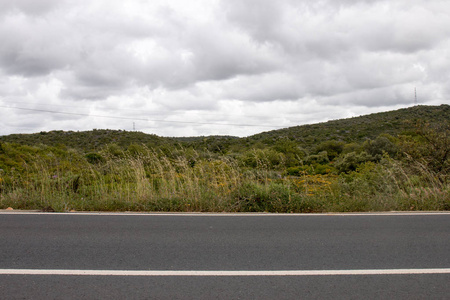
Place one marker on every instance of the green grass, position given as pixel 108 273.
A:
pixel 397 160
pixel 153 181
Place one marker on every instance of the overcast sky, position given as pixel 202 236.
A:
pixel 227 67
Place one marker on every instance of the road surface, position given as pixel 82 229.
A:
pixel 224 256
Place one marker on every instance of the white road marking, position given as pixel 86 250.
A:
pixel 223 273
pixel 196 214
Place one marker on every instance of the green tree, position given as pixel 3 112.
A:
pixel 332 147
pixel 293 153
pixel 350 161
pixel 382 144
pixel 431 147
pixel 320 158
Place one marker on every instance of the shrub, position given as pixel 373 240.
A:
pixel 350 161
pixel 263 159
pixel 94 158
pixel 380 145
pixel 333 148
pixel 320 158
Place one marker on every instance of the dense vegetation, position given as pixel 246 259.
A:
pixel 397 160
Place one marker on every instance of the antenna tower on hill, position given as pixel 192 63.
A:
pixel 415 96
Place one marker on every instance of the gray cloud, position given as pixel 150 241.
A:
pixel 177 57
pixel 30 7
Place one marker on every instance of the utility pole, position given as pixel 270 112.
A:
pixel 415 96
pixel 134 126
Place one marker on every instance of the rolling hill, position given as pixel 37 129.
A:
pixel 356 129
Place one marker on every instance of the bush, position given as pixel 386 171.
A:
pixel 315 169
pixel 350 161
pixel 94 158
pixel 333 148
pixel 274 197
pixel 263 159
pixel 320 158
pixel 379 146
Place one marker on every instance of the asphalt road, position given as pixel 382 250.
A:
pixel 162 242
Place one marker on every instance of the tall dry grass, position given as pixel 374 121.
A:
pixel 151 180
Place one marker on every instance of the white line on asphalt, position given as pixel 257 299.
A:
pixel 437 213
pixel 223 273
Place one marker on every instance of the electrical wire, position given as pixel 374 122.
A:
pixel 139 119
pixel 138 110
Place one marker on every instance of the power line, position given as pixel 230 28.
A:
pixel 139 119
pixel 140 110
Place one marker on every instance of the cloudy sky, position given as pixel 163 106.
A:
pixel 204 67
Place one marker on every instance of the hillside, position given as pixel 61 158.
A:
pixel 398 160
pixel 359 129
pixel 356 130
pixel 87 140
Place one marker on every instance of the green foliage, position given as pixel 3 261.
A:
pixel 389 161
pixel 435 148
pixel 94 158
pixel 263 159
pixel 136 150
pixel 87 141
pixel 379 146
pixel 388 186
pixel 351 161
pixel 332 148
pixel 315 169
pixel 358 129
pixel 352 147
pixel 113 150
pixel 294 142
pixel 291 150
pixel 320 158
